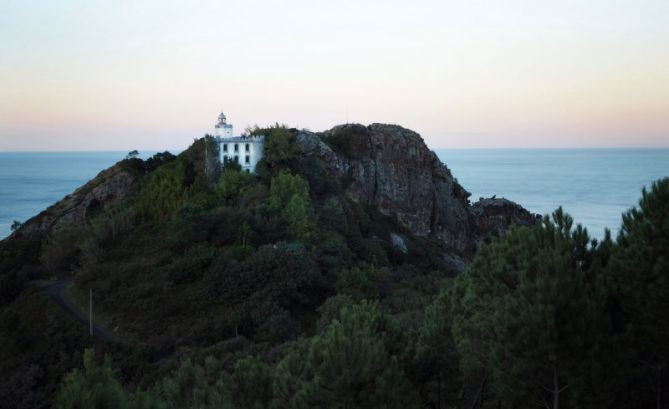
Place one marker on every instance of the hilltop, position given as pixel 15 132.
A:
pixel 188 260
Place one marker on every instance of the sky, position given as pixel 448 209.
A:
pixel 153 75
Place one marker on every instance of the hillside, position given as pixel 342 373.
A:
pixel 178 259
pixel 333 277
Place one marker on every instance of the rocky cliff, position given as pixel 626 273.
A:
pixel 391 168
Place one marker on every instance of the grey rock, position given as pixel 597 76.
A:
pixel 391 168
pixel 398 242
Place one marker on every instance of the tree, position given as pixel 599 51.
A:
pixel 16 225
pixel 280 149
pixel 232 183
pixel 639 273
pixel 132 155
pixel 163 193
pixel 533 320
pixel 60 249
pixel 144 400
pixel 93 388
pixel 289 197
pixel 361 281
pixel 354 364
pixel 298 221
pixel 191 386
pixel 251 384
pixel 284 186
pixel 262 287
pixel 157 160
pixel 436 354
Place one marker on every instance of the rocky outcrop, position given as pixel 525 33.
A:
pixel 490 217
pixel 391 168
pixel 108 186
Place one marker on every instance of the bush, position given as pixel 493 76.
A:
pixel 289 196
pixel 163 193
pixel 352 364
pixel 347 139
pixel 61 249
pixel 94 388
pixel 280 151
pixel 232 184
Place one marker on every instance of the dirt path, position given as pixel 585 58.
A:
pixel 55 290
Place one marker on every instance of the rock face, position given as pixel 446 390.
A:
pixel 108 186
pixel 391 168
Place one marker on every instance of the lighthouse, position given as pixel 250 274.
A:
pixel 223 128
pixel 244 150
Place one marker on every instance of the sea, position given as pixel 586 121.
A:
pixel 595 186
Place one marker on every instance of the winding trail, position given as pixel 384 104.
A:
pixel 55 290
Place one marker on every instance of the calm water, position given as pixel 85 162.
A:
pixel 594 185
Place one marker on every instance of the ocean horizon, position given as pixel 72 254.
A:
pixel 594 185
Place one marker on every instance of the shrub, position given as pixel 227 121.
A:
pixel 93 388
pixel 346 139
pixel 232 184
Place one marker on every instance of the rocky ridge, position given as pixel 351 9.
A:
pixel 384 166
pixel 391 168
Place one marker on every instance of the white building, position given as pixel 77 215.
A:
pixel 245 150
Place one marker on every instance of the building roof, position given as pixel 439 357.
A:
pixel 255 138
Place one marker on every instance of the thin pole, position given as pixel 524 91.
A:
pixel 206 159
pixel 90 311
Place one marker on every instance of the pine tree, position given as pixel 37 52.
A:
pixel 354 364
pixel 531 318
pixel 93 388
pixel 436 354
pixel 289 197
pixel 190 386
pixel 250 384
pixel 639 272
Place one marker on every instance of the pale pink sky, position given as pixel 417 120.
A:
pixel 89 75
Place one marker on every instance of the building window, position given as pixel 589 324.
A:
pixel 236 147
pixel 225 147
pixel 225 159
pixel 247 159
pixel 248 171
pixel 248 147
pixel 236 158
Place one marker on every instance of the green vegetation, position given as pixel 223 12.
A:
pixel 15 225
pixel 530 313
pixel 275 290
pixel 289 197
pixel 346 139
pixel 93 388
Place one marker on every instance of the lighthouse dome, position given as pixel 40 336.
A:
pixel 221 118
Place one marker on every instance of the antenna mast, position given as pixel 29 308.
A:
pixel 90 311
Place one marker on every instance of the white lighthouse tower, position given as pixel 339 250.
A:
pixel 244 150
pixel 223 128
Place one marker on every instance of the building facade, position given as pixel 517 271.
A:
pixel 245 150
